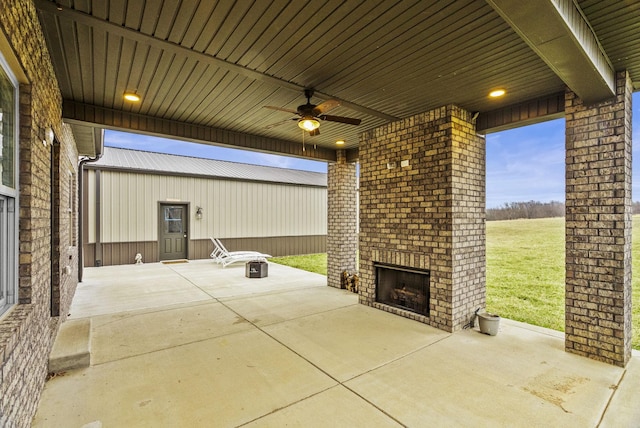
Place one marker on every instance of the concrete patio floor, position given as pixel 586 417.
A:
pixel 195 345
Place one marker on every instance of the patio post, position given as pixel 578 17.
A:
pixel 598 226
pixel 342 227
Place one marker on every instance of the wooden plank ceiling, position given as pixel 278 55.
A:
pixel 211 66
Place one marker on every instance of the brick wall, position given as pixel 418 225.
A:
pixel 65 224
pixel 598 226
pixel 27 331
pixel 342 228
pixel 422 205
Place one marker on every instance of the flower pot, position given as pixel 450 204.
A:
pixel 488 323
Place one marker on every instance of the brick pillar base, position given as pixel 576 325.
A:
pixel 342 230
pixel 598 226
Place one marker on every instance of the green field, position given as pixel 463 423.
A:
pixel 525 271
pixel 316 263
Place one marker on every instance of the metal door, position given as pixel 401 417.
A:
pixel 173 231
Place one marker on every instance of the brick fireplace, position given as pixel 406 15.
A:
pixel 403 287
pixel 422 209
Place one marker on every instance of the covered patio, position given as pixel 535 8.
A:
pixel 408 90
pixel 193 344
pixel 400 87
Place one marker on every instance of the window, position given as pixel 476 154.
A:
pixel 8 186
pixel 173 220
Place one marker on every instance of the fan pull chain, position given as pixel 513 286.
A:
pixel 303 140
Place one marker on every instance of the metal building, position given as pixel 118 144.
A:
pixel 167 207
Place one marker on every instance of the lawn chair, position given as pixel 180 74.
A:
pixel 225 257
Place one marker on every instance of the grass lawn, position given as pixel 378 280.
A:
pixel 525 271
pixel 316 263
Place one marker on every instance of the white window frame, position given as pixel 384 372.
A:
pixel 9 212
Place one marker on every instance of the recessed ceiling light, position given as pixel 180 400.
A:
pixel 497 93
pixel 340 142
pixel 132 96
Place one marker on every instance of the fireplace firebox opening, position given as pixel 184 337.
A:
pixel 403 287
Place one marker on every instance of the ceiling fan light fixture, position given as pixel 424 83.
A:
pixel 308 123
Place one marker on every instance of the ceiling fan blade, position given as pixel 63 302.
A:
pixel 341 119
pixel 273 125
pixel 281 109
pixel 325 107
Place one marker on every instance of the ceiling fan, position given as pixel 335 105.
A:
pixel 310 115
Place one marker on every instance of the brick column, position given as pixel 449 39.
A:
pixel 598 226
pixel 342 230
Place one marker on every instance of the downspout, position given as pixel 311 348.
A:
pixel 98 144
pixel 81 191
pixel 55 256
pixel 98 220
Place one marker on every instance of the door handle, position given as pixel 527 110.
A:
pixel 185 235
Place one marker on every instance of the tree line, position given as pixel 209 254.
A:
pixel 528 210
pixel 534 209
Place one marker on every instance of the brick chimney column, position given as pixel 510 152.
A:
pixel 342 228
pixel 422 206
pixel 598 226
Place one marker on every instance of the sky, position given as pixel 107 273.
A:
pixel 528 163
pixel 165 145
pixel 523 164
